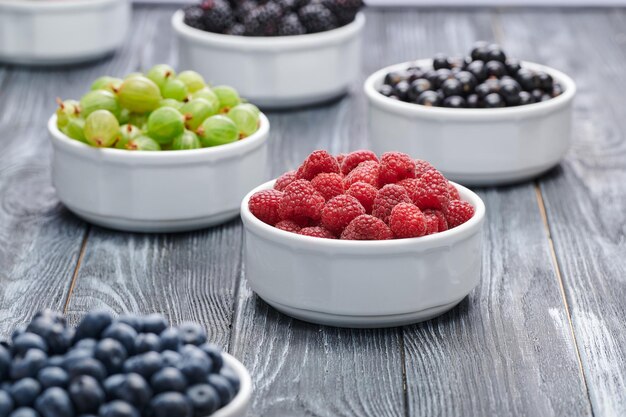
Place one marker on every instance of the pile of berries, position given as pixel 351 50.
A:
pixel 486 78
pixel 132 366
pixel 361 197
pixel 271 17
pixel 160 110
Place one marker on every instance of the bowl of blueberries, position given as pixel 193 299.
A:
pixel 512 117
pixel 279 53
pixel 129 366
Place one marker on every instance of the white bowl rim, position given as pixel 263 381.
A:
pixel 268 42
pixel 34 5
pixel 113 154
pixel 242 398
pixel 423 242
pixel 411 109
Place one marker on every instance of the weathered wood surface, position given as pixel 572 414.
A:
pixel 538 337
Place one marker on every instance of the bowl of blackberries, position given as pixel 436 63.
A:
pixel 130 366
pixel 483 119
pixel 279 53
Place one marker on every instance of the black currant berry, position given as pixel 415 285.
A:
pixel 493 100
pixel 455 102
pixel 429 98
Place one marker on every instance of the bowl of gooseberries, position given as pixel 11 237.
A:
pixel 157 152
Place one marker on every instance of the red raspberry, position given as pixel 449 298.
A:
pixel 284 180
pixel 352 160
pixel 386 199
pixel 328 184
pixel 411 185
pixel 316 163
pixel 395 166
pixel 406 221
pixel 264 205
pixel 366 172
pixel 317 231
pixel 365 193
pixel 300 202
pixel 459 212
pixel 421 167
pixel 432 191
pixel 435 221
pixel 454 193
pixel 340 211
pixel 366 227
pixel 340 158
pixel 288 226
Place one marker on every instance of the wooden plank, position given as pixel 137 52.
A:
pixel 585 198
pixel 507 349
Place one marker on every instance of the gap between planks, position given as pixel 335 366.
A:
pixel 81 255
pixel 559 277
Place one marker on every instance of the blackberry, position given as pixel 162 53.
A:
pixel 264 20
pixel 243 9
pixel 237 30
pixel 218 15
pixel 317 18
pixel 290 25
pixel 344 10
pixel 194 17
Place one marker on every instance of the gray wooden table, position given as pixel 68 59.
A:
pixel 543 335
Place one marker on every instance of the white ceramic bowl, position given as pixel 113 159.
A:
pixel 56 32
pixel 239 405
pixel 363 284
pixel 167 191
pixel 275 72
pixel 475 146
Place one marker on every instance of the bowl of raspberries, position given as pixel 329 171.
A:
pixel 268 47
pixel 483 119
pixel 359 240
pixel 129 366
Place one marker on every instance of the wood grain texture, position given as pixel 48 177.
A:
pixel 586 197
pixel 507 350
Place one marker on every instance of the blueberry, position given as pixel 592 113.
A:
pixel 124 334
pixel 493 100
pixel 472 101
pixel 154 323
pixel 86 394
pixel 76 355
pixel 87 366
pixel 171 338
pixel 56 360
pixel 417 87
pixel 131 388
pixel 467 80
pixel 53 376
pixel 28 365
pixel 145 364
pixel 55 316
pixel 58 338
pixel 223 387
pixel 512 66
pixel 118 408
pixel 441 61
pixel 478 69
pixel 168 379
pixel 5 363
pixel 192 334
pixel 54 402
pixel 195 364
pixel 495 69
pixel 495 53
pixel 27 341
pixel 228 373
pixel 171 404
pixel 452 87
pixel 480 51
pixel 92 325
pixel 24 412
pixel 171 358
pixel 25 391
pixel 111 354
pixel 147 342
pixel 455 102
pixel 215 353
pixel 429 98
pixel 87 344
pixel 17 331
pixel 132 320
pixel 204 399
pixel 6 403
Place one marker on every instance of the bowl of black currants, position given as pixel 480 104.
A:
pixel 279 53
pixel 127 366
pixel 484 119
